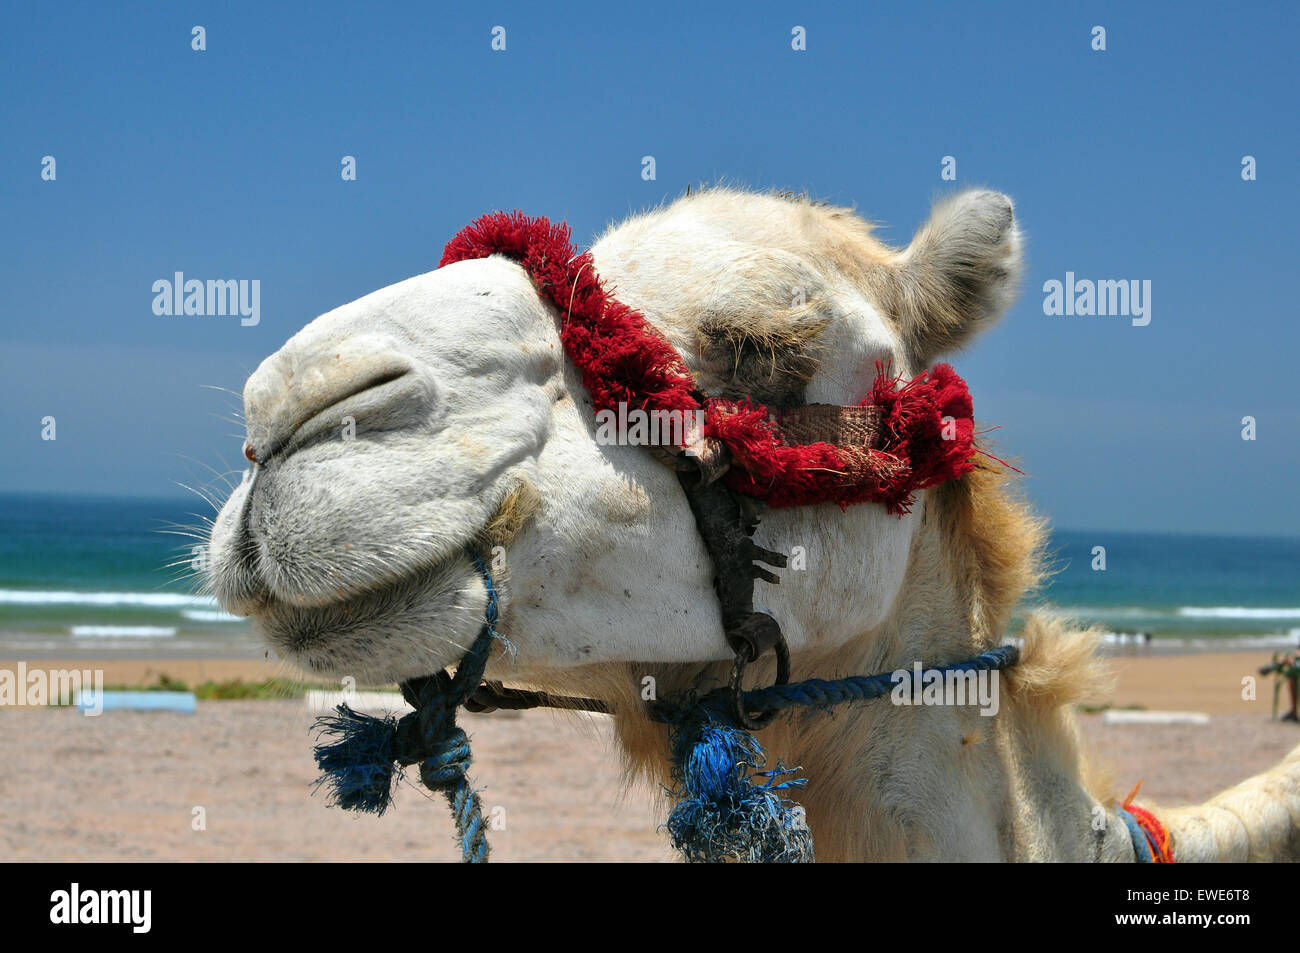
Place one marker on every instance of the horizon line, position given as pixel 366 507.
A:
pixel 1115 531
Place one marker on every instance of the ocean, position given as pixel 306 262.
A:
pixel 98 576
pixel 102 576
pixel 1183 590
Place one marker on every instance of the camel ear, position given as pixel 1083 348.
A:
pixel 959 274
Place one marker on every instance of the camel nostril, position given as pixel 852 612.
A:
pixel 295 395
pixel 380 380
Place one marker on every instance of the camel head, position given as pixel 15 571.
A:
pixel 394 437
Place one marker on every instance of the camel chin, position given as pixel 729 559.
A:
pixel 334 607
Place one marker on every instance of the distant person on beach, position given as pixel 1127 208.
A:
pixel 1292 676
pixel 1288 667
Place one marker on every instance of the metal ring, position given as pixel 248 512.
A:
pixel 742 658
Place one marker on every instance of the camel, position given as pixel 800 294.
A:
pixel 396 435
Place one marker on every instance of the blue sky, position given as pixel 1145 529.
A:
pixel 225 163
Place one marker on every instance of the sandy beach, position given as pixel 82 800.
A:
pixel 130 785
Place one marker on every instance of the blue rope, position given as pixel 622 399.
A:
pixel 360 763
pixel 728 807
pixel 1141 847
pixel 823 694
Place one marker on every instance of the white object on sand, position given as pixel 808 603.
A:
pixel 358 701
pixel 1114 717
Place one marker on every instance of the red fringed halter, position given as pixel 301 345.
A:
pixel 625 359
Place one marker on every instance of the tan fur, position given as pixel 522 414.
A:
pixel 743 284
pixel 515 510
pixel 957 276
pixel 954 279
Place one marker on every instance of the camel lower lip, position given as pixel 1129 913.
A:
pixel 363 605
pixel 278 570
pixel 417 614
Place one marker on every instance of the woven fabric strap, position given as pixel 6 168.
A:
pixel 844 426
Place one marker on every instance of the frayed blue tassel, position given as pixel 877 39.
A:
pixel 359 766
pixel 721 813
pixel 360 761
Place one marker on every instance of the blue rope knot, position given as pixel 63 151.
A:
pixel 360 761
pixel 449 763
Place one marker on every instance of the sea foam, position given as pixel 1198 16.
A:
pixel 123 631
pixel 54 598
